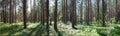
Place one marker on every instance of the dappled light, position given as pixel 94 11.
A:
pixel 59 17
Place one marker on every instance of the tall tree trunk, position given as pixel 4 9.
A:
pixel 98 3
pixel 117 11
pixel 42 11
pixel 90 11
pixel 66 12
pixel 15 11
pixel 34 12
pixel 87 12
pixel 73 13
pixel 10 11
pixel 47 7
pixel 55 16
pixel 103 12
pixel 4 2
pixel 81 11
pixel 63 10
pixel 24 13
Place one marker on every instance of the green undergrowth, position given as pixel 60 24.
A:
pixel 37 29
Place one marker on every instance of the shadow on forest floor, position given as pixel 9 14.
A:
pixel 32 30
pixel 37 29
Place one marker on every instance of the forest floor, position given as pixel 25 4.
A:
pixel 37 29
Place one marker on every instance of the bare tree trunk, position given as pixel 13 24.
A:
pixel 90 11
pixel 47 7
pixel 24 13
pixel 81 12
pixel 98 3
pixel 15 11
pixel 63 10
pixel 66 11
pixel 4 2
pixel 87 12
pixel 117 11
pixel 103 12
pixel 73 13
pixel 42 11
pixel 10 11
pixel 55 17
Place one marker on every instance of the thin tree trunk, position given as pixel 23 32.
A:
pixel 98 3
pixel 47 7
pixel 63 10
pixel 66 11
pixel 10 20
pixel 81 11
pixel 87 12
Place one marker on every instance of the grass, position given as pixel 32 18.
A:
pixel 37 29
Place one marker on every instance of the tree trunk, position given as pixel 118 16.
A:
pixel 73 13
pixel 90 11
pixel 103 12
pixel 4 2
pixel 81 11
pixel 117 11
pixel 98 3
pixel 47 7
pixel 63 10
pixel 24 13
pixel 55 16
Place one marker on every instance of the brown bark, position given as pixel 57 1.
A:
pixel 98 3
pixel 24 13
pixel 73 13
pixel 47 11
pixel 117 11
pixel 4 2
pixel 103 12
pixel 90 11
pixel 55 17
pixel 81 11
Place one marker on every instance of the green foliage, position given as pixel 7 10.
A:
pixel 102 32
pixel 5 28
pixel 113 20
pixel 116 31
pixel 64 30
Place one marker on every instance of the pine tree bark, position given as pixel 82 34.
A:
pixel 24 13
pixel 98 3
pixel 47 7
pixel 10 11
pixel 117 11
pixel 73 13
pixel 90 11
pixel 103 12
pixel 66 11
pixel 55 17
pixel 4 2
pixel 81 11
pixel 63 11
